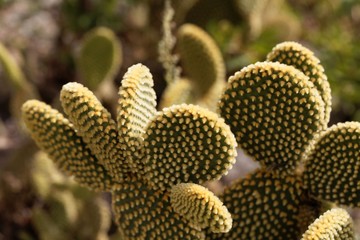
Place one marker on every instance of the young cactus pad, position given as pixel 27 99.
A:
pixel 274 112
pixel 56 136
pixel 94 123
pixel 332 166
pixel 187 143
pixel 296 55
pixel 100 56
pixel 200 206
pixel 335 224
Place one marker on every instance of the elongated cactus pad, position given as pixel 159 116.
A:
pixel 201 58
pixel 94 123
pixel 200 206
pixel 100 56
pixel 294 54
pixel 335 224
pixel 187 143
pixel 263 205
pixel 142 213
pixel 332 167
pixel 274 112
pixel 136 107
pixel 56 136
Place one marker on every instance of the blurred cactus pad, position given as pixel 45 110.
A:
pixel 155 162
pixel 100 57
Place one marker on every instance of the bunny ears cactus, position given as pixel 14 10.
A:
pixel 140 157
pixel 279 113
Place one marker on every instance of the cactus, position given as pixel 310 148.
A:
pixel 336 151
pixel 279 116
pixel 204 68
pixel 200 206
pixel 334 224
pixel 135 158
pixel 99 58
pixel 23 90
pixel 296 55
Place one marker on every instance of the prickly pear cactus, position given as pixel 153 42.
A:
pixel 142 157
pixel 279 116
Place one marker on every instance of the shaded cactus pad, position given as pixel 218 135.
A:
pixel 200 206
pixel 187 143
pixel 263 205
pixel 296 55
pixel 335 224
pixel 100 56
pixel 55 135
pixel 142 213
pixel 274 112
pixel 201 58
pixel 332 167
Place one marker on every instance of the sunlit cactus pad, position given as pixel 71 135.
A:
pixel 335 224
pixel 57 137
pixel 137 102
pixel 264 205
pixel 187 143
pixel 142 213
pixel 332 167
pixel 94 123
pixel 274 112
pixel 200 206
pixel 294 54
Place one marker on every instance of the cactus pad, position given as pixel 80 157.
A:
pixel 274 112
pixel 94 123
pixel 100 57
pixel 201 207
pixel 187 143
pixel 296 55
pixel 334 224
pixel 136 107
pixel 263 205
pixel 201 57
pixel 142 213
pixel 57 137
pixel 332 167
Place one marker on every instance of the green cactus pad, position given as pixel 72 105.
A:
pixel 332 166
pixel 100 57
pixel 94 123
pixel 274 112
pixel 335 224
pixel 136 107
pixel 201 207
pixel 201 58
pixel 187 143
pixel 263 205
pixel 142 213
pixel 296 55
pixel 56 136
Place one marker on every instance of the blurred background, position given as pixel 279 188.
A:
pixel 41 41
